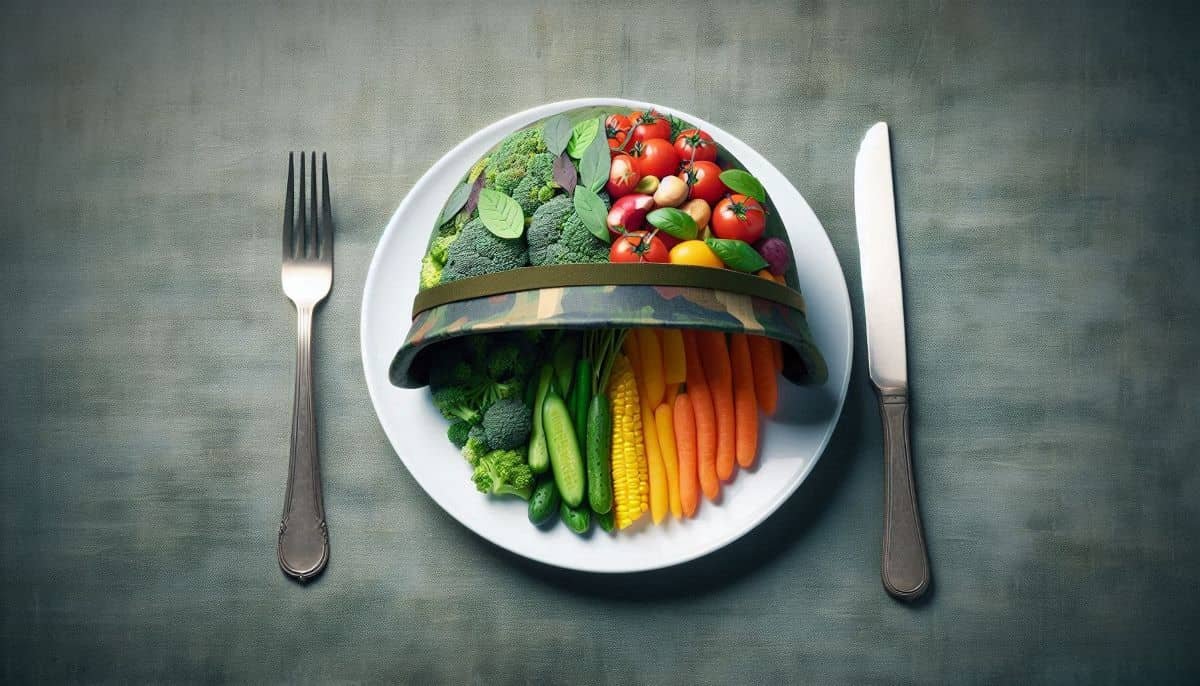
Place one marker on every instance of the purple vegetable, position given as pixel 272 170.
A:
pixel 777 254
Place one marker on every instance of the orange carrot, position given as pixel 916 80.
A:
pixel 674 356
pixel 766 389
pixel 745 407
pixel 706 421
pixel 715 355
pixel 685 444
pixel 652 365
pixel 664 424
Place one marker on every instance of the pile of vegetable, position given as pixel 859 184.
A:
pixel 637 187
pixel 608 424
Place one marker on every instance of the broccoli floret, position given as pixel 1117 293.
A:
pixel 456 404
pixel 503 471
pixel 478 251
pixel 439 247
pixel 558 236
pixel 506 167
pixel 431 272
pixel 474 449
pixel 458 433
pixel 435 259
pixel 507 424
pixel 538 184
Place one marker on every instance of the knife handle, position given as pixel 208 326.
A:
pixel 905 568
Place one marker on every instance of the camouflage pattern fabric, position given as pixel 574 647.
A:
pixel 591 307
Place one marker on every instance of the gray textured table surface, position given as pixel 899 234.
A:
pixel 1047 181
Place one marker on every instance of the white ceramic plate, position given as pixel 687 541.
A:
pixel 792 441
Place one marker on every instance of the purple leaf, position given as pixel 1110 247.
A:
pixel 473 198
pixel 565 174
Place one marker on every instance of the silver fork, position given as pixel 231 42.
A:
pixel 307 275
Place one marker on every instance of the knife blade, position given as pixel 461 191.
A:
pixel 904 568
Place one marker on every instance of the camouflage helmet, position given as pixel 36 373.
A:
pixel 591 296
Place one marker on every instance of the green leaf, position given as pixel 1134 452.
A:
pixel 592 211
pixel 593 168
pixel 456 201
pixel 582 136
pixel 501 214
pixel 557 133
pixel 737 254
pixel 743 182
pixel 674 222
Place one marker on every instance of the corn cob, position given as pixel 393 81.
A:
pixel 631 489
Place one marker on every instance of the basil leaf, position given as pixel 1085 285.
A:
pixel 473 198
pixel 593 168
pixel 557 133
pixel 582 136
pixel 565 174
pixel 454 203
pixel 737 254
pixel 592 211
pixel 501 214
pixel 674 222
pixel 743 182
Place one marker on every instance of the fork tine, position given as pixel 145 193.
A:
pixel 303 228
pixel 314 228
pixel 325 228
pixel 288 218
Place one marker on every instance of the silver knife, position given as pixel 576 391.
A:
pixel 905 564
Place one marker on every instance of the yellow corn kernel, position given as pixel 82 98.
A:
pixel 630 484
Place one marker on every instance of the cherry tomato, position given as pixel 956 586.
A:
pixel 704 181
pixel 655 157
pixel 647 125
pixel 622 176
pixel 616 123
pixel 616 129
pixel 633 247
pixel 695 253
pixel 695 142
pixel 739 217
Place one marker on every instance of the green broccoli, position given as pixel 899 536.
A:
pixel 538 184
pixel 558 236
pixel 457 403
pixel 507 424
pixel 506 167
pixel 476 446
pixel 503 471
pixel 458 433
pixel 435 259
pixel 478 251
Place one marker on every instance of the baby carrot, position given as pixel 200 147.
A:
pixel 715 356
pixel 766 389
pixel 706 421
pixel 652 365
pixel 674 355
pixel 664 421
pixel 685 444
pixel 745 407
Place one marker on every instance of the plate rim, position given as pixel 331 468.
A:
pixel 540 112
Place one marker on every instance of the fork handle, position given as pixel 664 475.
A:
pixel 905 564
pixel 303 537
